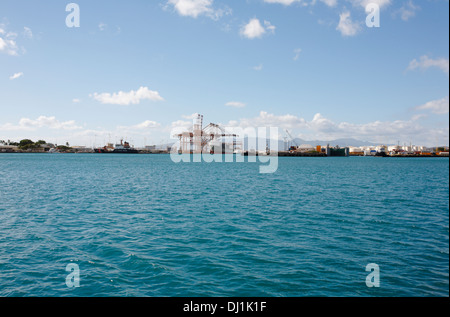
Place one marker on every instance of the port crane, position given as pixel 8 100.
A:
pixel 200 139
pixel 292 139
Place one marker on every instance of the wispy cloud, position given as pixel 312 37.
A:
pixel 440 106
pixel 258 67
pixel 190 116
pixel 330 3
pixel 41 122
pixel 235 104
pixel 346 26
pixel 425 62
pixel 283 2
pixel 364 3
pixel 297 52
pixel 146 125
pixel 180 126
pixel 408 10
pixel 266 119
pixel 15 76
pixel 27 33
pixel 303 3
pixel 127 98
pixel 324 128
pixel 8 44
pixel 269 27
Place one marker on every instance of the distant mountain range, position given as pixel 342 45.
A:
pixel 337 142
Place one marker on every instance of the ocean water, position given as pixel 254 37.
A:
pixel 141 225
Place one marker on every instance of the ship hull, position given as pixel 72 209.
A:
pixel 116 151
pixel 125 151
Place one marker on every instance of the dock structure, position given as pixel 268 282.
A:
pixel 8 148
pixel 210 139
pixel 337 151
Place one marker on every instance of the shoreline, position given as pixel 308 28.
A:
pixel 279 154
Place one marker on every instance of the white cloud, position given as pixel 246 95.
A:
pixel 102 26
pixel 258 67
pixel 127 98
pixel 180 126
pixel 40 122
pixel 266 119
pixel 377 130
pixel 192 8
pixel 148 124
pixel 48 122
pixel 8 44
pixel 297 53
pixel 364 3
pixel 330 3
pixel 440 106
pixel 235 104
pixel 418 116
pixel 15 76
pixel 76 100
pixel 191 116
pixel 27 33
pixel 284 2
pixel 425 62
pixel 269 27
pixel 196 8
pixel 323 128
pixel 408 10
pixel 129 133
pixel 346 26
pixel 322 124
pixel 254 29
pixel 93 133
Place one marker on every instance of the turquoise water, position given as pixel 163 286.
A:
pixel 140 225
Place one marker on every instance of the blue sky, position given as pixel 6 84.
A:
pixel 138 69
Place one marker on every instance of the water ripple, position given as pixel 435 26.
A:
pixel 143 226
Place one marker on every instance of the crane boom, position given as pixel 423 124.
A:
pixel 291 138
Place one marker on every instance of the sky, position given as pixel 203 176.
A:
pixel 138 69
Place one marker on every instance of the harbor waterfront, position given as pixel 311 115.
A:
pixel 294 151
pixel 214 138
pixel 142 225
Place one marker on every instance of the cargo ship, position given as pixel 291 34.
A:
pixel 122 148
